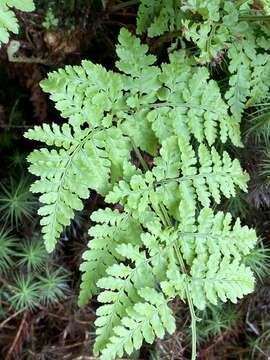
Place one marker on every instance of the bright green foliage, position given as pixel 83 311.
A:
pixel 102 252
pixel 8 20
pixel 90 96
pixel 158 17
pixel 166 240
pixel 219 31
pixel 212 247
pixel 225 31
pixel 65 180
pixel 266 6
pixel 146 320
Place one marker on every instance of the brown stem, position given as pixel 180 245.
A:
pixel 124 5
pixel 17 337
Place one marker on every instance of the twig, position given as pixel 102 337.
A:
pixel 254 18
pixel 123 5
pixel 10 352
pixel 3 323
pixel 216 341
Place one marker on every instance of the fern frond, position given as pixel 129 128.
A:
pixel 89 95
pixel 121 283
pixel 214 254
pixel 223 30
pixel 193 105
pixel 55 135
pixel 216 272
pixel 166 240
pixel 8 20
pixel 209 173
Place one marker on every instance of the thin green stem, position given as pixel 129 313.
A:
pixel 139 155
pixel 190 305
pixel 254 18
pixel 239 3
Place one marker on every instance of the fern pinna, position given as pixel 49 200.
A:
pixel 164 240
pixel 8 20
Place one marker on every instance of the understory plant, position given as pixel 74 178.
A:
pixel 28 279
pixel 150 138
pixel 8 20
pixel 16 201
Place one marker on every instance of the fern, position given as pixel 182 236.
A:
pixel 245 43
pixel 82 159
pixel 166 240
pixel 216 272
pixel 8 20
pixel 158 17
pixel 218 28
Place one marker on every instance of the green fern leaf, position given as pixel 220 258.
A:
pixel 102 251
pixel 83 93
pixel 69 176
pixel 8 20
pixel 158 17
pixel 146 320
pixel 228 280
pixel 178 164
pixel 146 139
pixel 133 55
